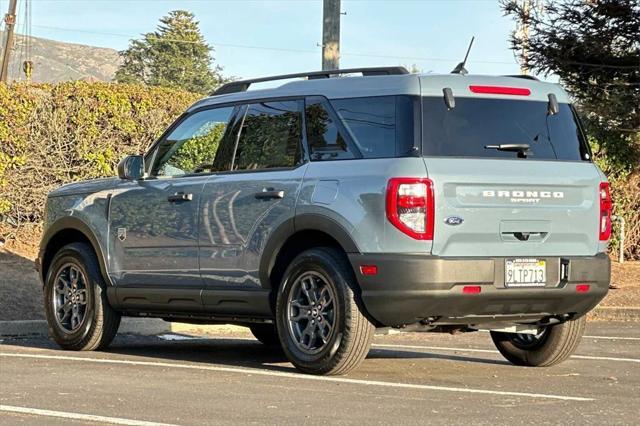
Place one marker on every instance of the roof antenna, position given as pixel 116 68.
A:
pixel 460 69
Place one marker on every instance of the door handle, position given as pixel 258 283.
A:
pixel 269 194
pixel 179 196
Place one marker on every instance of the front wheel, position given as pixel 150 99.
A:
pixel 551 346
pixel 320 325
pixel 76 305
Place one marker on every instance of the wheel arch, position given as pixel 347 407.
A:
pixel 296 235
pixel 65 231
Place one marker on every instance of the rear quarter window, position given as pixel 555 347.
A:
pixel 381 126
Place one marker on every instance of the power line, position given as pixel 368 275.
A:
pixel 281 49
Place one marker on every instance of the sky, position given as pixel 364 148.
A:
pixel 254 38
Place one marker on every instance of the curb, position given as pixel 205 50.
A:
pixel 143 326
pixel 613 313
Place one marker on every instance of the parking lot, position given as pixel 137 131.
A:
pixel 407 378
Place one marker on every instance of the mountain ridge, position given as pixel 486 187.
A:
pixel 55 61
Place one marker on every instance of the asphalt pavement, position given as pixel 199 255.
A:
pixel 408 378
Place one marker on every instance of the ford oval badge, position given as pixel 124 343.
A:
pixel 453 220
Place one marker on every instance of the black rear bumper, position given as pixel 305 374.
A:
pixel 412 288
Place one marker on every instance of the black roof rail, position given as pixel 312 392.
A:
pixel 526 77
pixel 243 85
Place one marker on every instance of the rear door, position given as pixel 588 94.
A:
pixel 241 207
pixel 494 203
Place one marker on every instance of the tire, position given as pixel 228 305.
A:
pixel 267 334
pixel 555 344
pixel 332 339
pixel 99 321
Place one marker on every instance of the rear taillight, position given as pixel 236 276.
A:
pixel 410 206
pixel 605 211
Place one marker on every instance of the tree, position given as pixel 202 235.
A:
pixel 175 55
pixel 594 47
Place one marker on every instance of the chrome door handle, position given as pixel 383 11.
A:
pixel 267 195
pixel 179 196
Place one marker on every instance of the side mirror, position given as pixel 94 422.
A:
pixel 131 167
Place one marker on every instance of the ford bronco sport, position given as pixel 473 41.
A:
pixel 322 209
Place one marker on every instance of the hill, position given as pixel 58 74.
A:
pixel 56 61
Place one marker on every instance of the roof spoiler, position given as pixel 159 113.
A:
pixel 243 85
pixel 523 76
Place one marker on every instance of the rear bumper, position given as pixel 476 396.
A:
pixel 411 288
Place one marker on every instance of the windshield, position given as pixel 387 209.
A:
pixel 474 123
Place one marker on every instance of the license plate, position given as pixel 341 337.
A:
pixel 525 272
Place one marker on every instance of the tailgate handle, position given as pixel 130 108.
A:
pixel 527 236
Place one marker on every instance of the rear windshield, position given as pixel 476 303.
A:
pixel 466 129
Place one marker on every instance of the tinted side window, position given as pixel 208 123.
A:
pixel 371 122
pixel 192 146
pixel 270 136
pixel 323 135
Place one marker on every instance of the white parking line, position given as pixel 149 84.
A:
pixel 589 337
pixel 611 338
pixel 257 372
pixel 431 348
pixel 78 416
pixel 490 351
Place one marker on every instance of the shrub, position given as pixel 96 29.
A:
pixel 55 134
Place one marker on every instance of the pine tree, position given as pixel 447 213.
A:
pixel 175 55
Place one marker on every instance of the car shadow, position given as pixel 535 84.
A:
pixel 231 352
pixel 20 288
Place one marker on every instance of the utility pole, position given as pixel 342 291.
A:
pixel 330 34
pixel 524 33
pixel 10 22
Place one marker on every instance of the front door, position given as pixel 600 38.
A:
pixel 241 208
pixel 153 238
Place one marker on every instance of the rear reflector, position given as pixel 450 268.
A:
pixel 471 289
pixel 501 90
pixel 369 270
pixel 582 288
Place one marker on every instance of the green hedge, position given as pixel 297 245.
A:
pixel 54 134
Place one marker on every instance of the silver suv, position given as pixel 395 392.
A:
pixel 322 209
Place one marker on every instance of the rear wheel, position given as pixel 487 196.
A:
pixel 551 346
pixel 321 327
pixel 267 334
pixel 76 306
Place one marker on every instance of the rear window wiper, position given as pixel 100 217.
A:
pixel 523 149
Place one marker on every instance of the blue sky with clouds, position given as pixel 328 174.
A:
pixel 263 37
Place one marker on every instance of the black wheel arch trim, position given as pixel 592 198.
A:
pixel 76 224
pixel 303 222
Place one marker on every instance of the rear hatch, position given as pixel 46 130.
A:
pixel 540 201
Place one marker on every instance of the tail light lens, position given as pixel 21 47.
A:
pixel 605 211
pixel 410 206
